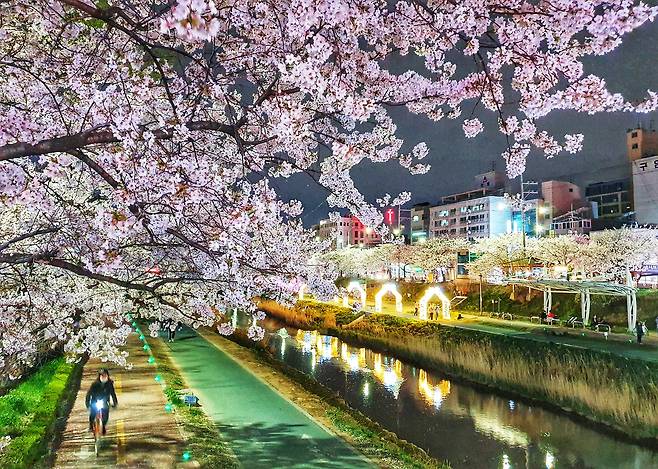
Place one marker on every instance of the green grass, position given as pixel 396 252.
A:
pixel 29 412
pixel 204 441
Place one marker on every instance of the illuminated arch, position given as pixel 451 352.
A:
pixel 302 292
pixel 429 293
pixel 392 289
pixel 354 285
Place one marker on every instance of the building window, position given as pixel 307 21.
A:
pixel 634 135
pixel 634 147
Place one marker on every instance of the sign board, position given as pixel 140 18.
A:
pixel 190 399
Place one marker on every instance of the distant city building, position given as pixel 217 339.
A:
pixel 573 222
pixel 420 222
pixel 565 209
pixel 641 142
pixel 645 190
pixel 345 232
pixel 611 199
pixel 339 231
pixel 398 221
pixel 471 218
pixel 561 197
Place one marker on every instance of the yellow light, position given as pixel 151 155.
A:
pixel 429 293
pixel 396 231
pixel 368 230
pixel 392 289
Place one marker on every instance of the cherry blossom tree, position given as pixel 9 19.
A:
pixel 439 254
pixel 500 253
pixel 615 253
pixel 138 139
pixel 569 251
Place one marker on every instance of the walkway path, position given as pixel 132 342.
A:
pixel 264 429
pixel 140 434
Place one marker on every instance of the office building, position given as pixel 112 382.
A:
pixel 645 190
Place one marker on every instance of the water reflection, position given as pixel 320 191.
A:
pixel 452 421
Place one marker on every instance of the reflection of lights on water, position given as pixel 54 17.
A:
pixel 433 394
pixel 506 463
pixel 366 389
pixel 550 461
pixel 354 362
pixel 512 405
pixel 438 397
pixel 283 347
pixel 313 359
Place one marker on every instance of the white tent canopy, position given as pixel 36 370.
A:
pixel 585 289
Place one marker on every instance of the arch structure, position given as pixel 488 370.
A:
pixel 354 285
pixel 393 290
pixel 430 293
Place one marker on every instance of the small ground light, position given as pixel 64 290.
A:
pixel 145 347
pixel 187 456
pixel 141 337
pixel 168 407
pixel 158 378
pixel 151 360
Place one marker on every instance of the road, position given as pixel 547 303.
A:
pixel 263 428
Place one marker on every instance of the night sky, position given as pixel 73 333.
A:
pixel 631 69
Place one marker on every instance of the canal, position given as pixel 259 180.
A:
pixel 452 421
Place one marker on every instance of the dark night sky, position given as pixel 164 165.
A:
pixel 631 69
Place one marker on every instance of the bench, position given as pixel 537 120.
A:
pixel 604 326
pixel 576 323
pixel 508 316
pixel 532 319
pixel 552 321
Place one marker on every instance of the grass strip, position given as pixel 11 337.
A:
pixel 203 438
pixel 29 413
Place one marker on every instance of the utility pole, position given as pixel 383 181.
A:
pixel 527 188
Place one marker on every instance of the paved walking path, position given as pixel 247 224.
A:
pixel 263 429
pixel 140 433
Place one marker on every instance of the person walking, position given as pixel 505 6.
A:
pixel 171 326
pixel 657 323
pixel 639 331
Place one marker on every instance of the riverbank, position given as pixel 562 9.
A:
pixel 617 392
pixel 378 444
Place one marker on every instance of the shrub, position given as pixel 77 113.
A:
pixel 310 314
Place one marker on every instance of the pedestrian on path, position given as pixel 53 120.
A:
pixel 639 331
pixel 172 326
pixel 101 390
pixel 657 323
